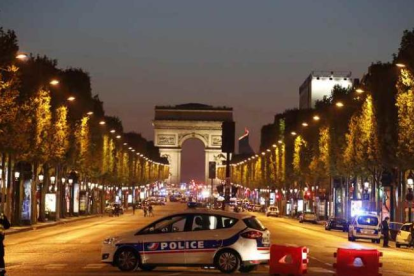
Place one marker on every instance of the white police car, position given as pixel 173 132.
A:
pixel 365 226
pixel 228 241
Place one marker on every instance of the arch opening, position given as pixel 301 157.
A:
pixel 193 161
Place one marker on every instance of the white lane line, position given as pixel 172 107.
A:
pixel 94 266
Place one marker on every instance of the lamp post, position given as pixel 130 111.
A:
pixel 409 196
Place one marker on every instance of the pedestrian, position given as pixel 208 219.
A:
pixel 133 208
pixel 4 224
pixel 145 210
pixel 117 210
pixel 150 209
pixel 385 231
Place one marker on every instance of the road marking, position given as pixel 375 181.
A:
pixel 55 266
pixel 173 274
pixel 94 266
pixel 319 270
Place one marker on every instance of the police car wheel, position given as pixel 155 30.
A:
pixel 247 269
pixel 147 267
pixel 227 261
pixel 127 260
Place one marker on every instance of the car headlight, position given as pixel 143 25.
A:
pixel 110 240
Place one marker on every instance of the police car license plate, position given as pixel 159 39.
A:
pixel 367 232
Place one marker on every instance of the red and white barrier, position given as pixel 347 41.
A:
pixel 357 262
pixel 288 260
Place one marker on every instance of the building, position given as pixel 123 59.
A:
pixel 320 84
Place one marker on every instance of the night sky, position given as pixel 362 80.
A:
pixel 250 55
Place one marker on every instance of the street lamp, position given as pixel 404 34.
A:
pixel 409 196
pixel 339 104
pixel 16 174
pixel 63 180
pixel 316 118
pixel 22 56
pixel 41 177
pixel 54 82
pixel 52 179
pixel 400 65
pixel 102 123
pixel 410 179
pixel 71 99
pixel 359 90
pixel 70 181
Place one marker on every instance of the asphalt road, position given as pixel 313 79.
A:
pixel 74 249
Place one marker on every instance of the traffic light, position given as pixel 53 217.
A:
pixel 212 170
pixel 308 195
pixel 228 132
pixel 277 196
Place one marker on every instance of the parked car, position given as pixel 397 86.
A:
pixel 365 226
pixel 272 211
pixel 404 235
pixel 308 217
pixel 337 224
pixel 257 208
pixel 110 208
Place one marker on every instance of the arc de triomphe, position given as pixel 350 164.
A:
pixel 173 125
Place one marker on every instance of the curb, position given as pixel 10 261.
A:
pixel 47 225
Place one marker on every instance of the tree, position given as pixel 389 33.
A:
pixel 405 106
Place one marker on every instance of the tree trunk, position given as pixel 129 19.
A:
pixel 35 179
pixel 3 182
pixel 9 188
pixel 58 187
pixel 43 189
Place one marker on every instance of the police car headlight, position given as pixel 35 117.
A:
pixel 110 240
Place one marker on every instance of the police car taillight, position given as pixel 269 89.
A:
pixel 252 235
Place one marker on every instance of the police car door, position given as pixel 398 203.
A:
pixel 203 240
pixel 164 242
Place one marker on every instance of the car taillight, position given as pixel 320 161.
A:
pixel 252 235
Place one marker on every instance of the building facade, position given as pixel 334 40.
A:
pixel 319 84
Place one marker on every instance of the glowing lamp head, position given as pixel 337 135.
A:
pixel 339 104
pixel 54 82
pixel 22 57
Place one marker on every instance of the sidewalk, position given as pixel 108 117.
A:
pixel 40 225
